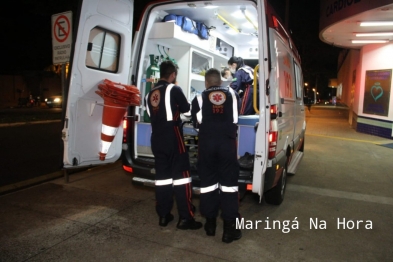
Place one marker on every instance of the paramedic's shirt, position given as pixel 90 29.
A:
pixel 242 77
pixel 159 115
pixel 220 107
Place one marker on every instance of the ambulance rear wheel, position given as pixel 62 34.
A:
pixel 275 196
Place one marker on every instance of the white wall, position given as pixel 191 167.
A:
pixel 345 76
pixel 373 57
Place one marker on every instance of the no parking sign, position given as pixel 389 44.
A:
pixel 61 37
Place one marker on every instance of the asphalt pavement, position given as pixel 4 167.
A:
pixel 345 177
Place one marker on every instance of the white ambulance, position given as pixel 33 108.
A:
pixel 270 143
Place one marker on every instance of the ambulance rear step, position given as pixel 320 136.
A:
pixel 295 162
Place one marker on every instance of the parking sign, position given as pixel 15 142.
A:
pixel 61 37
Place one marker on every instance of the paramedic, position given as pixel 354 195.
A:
pixel 164 103
pixel 215 113
pixel 242 83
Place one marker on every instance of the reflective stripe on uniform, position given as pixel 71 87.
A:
pixel 169 115
pixel 182 181
pixel 164 182
pixel 234 106
pixel 208 189
pixel 199 114
pixel 108 130
pixel 229 189
pixel 248 71
pixel 147 105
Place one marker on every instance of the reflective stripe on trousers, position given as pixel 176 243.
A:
pixel 170 181
pixel 164 182
pixel 226 189
pixel 182 181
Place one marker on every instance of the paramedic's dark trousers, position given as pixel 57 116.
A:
pixel 170 178
pixel 247 107
pixel 218 170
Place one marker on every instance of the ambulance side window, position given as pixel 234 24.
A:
pixel 103 50
pixel 299 81
pixel 284 60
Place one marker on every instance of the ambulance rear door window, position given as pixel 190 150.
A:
pixel 103 50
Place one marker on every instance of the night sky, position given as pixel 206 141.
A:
pixel 26 35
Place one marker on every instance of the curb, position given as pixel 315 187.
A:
pixel 30 182
pixel 29 123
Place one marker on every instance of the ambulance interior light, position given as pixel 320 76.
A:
pixel 227 23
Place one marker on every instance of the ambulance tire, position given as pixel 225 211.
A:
pixel 275 196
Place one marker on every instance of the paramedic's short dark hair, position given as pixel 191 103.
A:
pixel 167 67
pixel 213 77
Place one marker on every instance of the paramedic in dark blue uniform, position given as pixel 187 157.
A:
pixel 242 83
pixel 215 114
pixel 164 103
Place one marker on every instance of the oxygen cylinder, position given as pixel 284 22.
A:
pixel 152 75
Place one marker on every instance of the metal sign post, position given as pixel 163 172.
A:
pixel 61 44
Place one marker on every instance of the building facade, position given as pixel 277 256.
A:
pixel 364 29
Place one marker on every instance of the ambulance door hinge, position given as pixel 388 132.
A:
pixel 133 82
pixel 267 87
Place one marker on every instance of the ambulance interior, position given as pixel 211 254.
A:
pixel 233 32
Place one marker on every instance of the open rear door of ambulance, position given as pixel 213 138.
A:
pixel 261 139
pixel 102 51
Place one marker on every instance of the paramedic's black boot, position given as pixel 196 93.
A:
pixel 165 220
pixel 230 231
pixel 185 224
pixel 210 226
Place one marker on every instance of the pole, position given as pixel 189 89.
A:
pixel 63 108
pixel 63 78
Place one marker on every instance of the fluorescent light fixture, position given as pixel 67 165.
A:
pixel 377 23
pixel 254 41
pixel 238 14
pixel 374 34
pixel 369 41
pixel 247 25
pixel 227 23
pixel 209 5
pixel 231 32
pixel 249 19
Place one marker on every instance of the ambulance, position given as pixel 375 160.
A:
pixel 196 35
